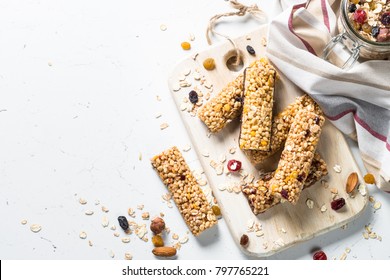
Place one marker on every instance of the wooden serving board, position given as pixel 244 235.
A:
pixel 284 225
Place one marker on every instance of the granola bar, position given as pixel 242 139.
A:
pixel 259 197
pixel 224 107
pixel 281 124
pixel 187 194
pixel 297 155
pixel 256 116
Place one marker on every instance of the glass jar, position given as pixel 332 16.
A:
pixel 354 42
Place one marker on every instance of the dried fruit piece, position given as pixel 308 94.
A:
pixel 360 16
pixel 337 203
pixel 193 97
pixel 250 50
pixel 234 165
pixel 352 182
pixel 216 210
pixel 209 64
pixel 352 8
pixel 244 240
pixel 157 241
pixel 385 19
pixel 164 251
pixel 157 225
pixel 320 255
pixel 369 178
pixel 124 224
pixel 375 31
pixel 185 46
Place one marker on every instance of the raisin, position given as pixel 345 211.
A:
pixel 238 99
pixel 182 177
pixel 284 194
pixel 300 177
pixel 244 240
pixel 352 8
pixel 385 19
pixel 250 50
pixel 320 255
pixel 375 31
pixel 216 210
pixel 234 165
pixel 307 133
pixel 369 178
pixel 209 64
pixel 193 96
pixel 123 222
pixel 317 120
pixel 337 203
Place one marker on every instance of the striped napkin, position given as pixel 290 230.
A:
pixel 356 101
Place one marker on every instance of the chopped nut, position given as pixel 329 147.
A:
pixel 105 221
pixel 157 225
pixel 105 209
pixel 323 208
pixel 352 182
pixel 145 215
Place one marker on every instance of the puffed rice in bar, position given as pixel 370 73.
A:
pixel 224 107
pixel 294 165
pixel 256 119
pixel 281 124
pixel 259 197
pixel 187 194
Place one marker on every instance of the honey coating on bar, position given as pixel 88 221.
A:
pixel 224 107
pixel 260 198
pixel 281 124
pixel 298 153
pixel 256 119
pixel 187 194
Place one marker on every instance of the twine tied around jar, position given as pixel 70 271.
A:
pixel 242 10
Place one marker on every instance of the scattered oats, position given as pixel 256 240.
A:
pixel 207 85
pixel 334 196
pixel 337 168
pixel 169 204
pixel 49 63
pixel 323 208
pixel 140 207
pixel 145 216
pixel 129 231
pixel 377 205
pixel 128 256
pixel 83 235
pixel 184 240
pixel 35 228
pixel 162 214
pixel 283 230
pixel 89 212
pixel 186 148
pixel 344 226
pixel 279 242
pixel 250 224
pixel 177 246
pixel 368 228
pixel 181 77
pixel 197 175
pixel 378 8
pixel 112 255
pixel 197 76
pixel 202 182
pixel 90 243
pixel 105 221
pixel 213 164
pixel 82 201
pixel 222 187
pixel 192 114
pixel 263 41
pixel 191 37
pixel 187 71
pixel 248 37
pixel 163 27
pixel 97 202
pixel 113 227
pixel 205 154
pixel 222 158
pixel 131 212
pixel 347 250
pixel 141 230
pixel 175 236
pixel 243 173
pixel 176 87
pixel 371 199
pixel 365 235
pixel 163 126
pixel 105 209
pixel 310 203
pixel 232 150
pixel 334 191
pixel 259 233
pixel 343 256
pixel 249 179
pixel 167 230
pixel 379 238
pixel 362 189
pixel 158 97
pixel 372 235
pixel 23 222
pixel 183 106
pixel 325 184
pixel 158 115
pixel 219 169
pixel 236 189
pixel 140 156
pixel 125 239
pixel 184 84
pixel 116 234
pixel 194 56
pixel 265 245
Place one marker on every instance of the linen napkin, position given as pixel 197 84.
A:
pixel 356 101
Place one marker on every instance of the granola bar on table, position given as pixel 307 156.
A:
pixel 186 192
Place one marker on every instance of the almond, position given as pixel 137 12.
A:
pixel 164 251
pixel 352 182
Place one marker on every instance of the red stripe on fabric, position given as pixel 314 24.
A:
pixel 363 124
pixel 325 14
pixel 291 28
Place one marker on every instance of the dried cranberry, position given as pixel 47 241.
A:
pixel 284 194
pixel 337 203
pixel 250 50
pixel 123 222
pixel 352 8
pixel 320 255
pixel 360 16
pixel 234 165
pixel 385 19
pixel 193 96
pixel 244 240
